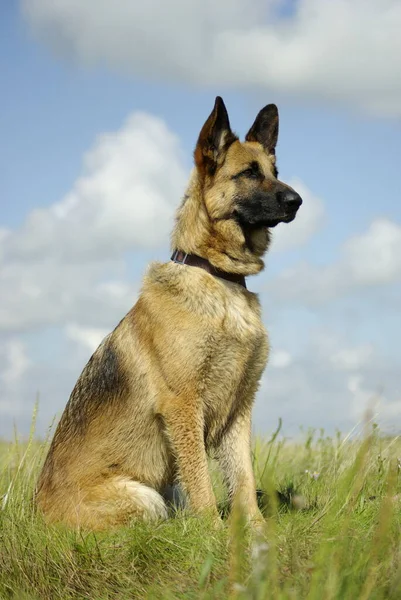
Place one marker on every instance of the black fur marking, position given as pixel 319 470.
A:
pixel 258 210
pixel 251 172
pixel 247 231
pixel 267 209
pixel 102 380
pixel 105 373
pixel 265 128
pixel 214 140
pixel 114 466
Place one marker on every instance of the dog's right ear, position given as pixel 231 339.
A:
pixel 214 139
pixel 265 129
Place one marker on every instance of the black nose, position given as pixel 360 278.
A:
pixel 291 199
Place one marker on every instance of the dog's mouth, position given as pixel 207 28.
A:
pixel 265 222
pixel 273 222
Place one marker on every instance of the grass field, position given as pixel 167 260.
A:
pixel 333 531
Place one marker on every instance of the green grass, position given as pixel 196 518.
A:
pixel 343 540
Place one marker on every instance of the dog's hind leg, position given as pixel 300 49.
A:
pixel 108 504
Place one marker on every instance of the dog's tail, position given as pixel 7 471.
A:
pixel 102 506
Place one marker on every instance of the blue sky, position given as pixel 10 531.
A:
pixel 331 289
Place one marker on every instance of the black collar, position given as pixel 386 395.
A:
pixel 194 260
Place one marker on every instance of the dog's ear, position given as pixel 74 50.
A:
pixel 214 139
pixel 265 129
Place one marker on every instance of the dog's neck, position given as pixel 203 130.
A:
pixel 193 260
pixel 223 242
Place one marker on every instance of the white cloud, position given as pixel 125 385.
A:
pixel 374 403
pixel 15 361
pixel 308 220
pixel 352 359
pixel 339 353
pixel 280 359
pixel 132 181
pixel 307 284
pixel 375 256
pixel 330 383
pixel 346 51
pixel 15 365
pixel 3 233
pixel 67 262
pixel 51 293
pixel 372 258
pixel 88 337
pixel 363 401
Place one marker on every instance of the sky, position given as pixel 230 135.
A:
pixel 101 104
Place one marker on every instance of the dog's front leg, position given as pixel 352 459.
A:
pixel 234 457
pixel 184 426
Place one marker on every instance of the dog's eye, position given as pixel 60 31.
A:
pixel 252 171
pixel 249 173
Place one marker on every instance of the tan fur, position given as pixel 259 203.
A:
pixel 176 379
pixel 203 223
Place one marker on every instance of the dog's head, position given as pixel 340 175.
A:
pixel 240 179
pixel 234 196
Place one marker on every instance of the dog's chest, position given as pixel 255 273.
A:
pixel 208 342
pixel 235 357
pixel 241 321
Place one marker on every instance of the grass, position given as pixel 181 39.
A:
pixel 333 532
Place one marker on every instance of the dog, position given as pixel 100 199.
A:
pixel 176 379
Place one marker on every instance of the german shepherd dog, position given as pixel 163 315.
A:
pixel 176 379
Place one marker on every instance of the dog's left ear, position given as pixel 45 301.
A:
pixel 214 139
pixel 265 129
